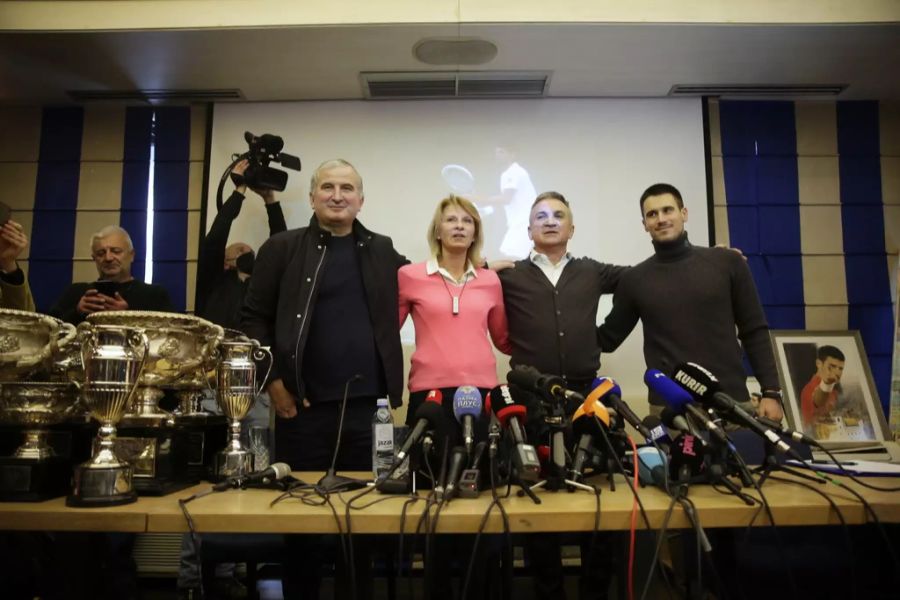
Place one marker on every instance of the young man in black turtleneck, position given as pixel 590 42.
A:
pixel 690 300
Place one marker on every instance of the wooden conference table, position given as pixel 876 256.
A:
pixel 246 511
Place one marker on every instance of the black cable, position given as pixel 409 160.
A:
pixel 182 503
pixel 659 542
pixel 615 456
pixel 847 473
pixel 690 510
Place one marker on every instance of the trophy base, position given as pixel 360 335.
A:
pixel 160 487
pixel 102 486
pixel 232 463
pixel 26 480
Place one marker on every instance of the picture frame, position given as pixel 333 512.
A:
pixel 833 401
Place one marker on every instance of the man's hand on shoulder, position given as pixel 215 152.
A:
pixel 499 265
pixel 735 250
pixel 284 402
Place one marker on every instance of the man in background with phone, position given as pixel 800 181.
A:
pixel 14 290
pixel 115 288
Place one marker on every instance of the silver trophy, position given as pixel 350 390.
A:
pixel 113 358
pixel 181 350
pixel 35 405
pixel 30 346
pixel 29 342
pixel 236 390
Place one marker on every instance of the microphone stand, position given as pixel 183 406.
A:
pixel 717 471
pixel 770 463
pixel 331 481
pixel 556 470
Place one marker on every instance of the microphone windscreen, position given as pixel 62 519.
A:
pixel 687 450
pixel 699 382
pixel 431 412
pixel 505 413
pixel 281 470
pixel 434 396
pixel 466 401
pixel 658 433
pixel 649 457
pixel 606 386
pixel 672 393
pixel 525 377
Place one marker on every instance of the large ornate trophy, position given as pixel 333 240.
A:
pixel 113 358
pixel 167 452
pixel 236 390
pixel 182 349
pixel 31 400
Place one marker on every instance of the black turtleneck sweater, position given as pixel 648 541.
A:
pixel 690 300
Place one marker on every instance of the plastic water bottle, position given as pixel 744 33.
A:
pixel 382 439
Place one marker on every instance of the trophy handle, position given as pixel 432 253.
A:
pixel 138 339
pixel 67 334
pixel 88 342
pixel 259 353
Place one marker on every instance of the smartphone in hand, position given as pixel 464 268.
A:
pixel 5 214
pixel 107 288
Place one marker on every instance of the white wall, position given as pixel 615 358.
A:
pixel 601 154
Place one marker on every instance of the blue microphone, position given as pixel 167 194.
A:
pixel 467 406
pixel 682 402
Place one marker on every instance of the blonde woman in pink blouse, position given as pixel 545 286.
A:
pixel 454 306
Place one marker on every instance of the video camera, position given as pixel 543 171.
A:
pixel 264 149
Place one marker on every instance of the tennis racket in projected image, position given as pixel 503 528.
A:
pixel 462 183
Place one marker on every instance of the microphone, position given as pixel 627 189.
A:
pixel 681 401
pixel 651 464
pixel 677 422
pixel 458 457
pixel 467 407
pixel 530 378
pixel 331 480
pixel 512 417
pixel 587 428
pixel 658 433
pixel 611 395
pixel 274 472
pixel 783 429
pixel 687 459
pixel 428 416
pixel 704 386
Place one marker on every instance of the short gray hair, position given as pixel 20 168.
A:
pixel 333 163
pixel 108 231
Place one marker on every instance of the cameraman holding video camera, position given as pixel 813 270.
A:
pixel 223 272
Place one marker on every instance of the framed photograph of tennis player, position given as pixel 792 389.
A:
pixel 828 389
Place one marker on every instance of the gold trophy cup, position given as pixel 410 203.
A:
pixel 113 358
pixel 236 390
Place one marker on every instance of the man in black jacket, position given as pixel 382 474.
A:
pixel 324 298
pixel 551 302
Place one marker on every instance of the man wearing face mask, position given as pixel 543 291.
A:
pixel 223 272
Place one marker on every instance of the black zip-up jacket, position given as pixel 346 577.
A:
pixel 283 291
